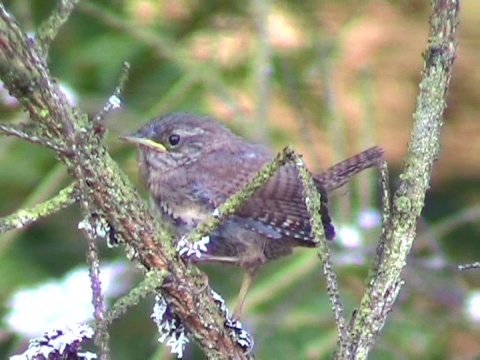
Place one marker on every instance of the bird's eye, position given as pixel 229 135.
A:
pixel 174 139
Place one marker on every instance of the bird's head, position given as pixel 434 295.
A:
pixel 176 140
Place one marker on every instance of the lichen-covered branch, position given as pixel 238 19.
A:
pixel 24 217
pixel 408 200
pixel 23 132
pixel 104 189
pixel 234 201
pixel 314 205
pixel 49 29
pixel 153 280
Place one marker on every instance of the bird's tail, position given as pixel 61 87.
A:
pixel 339 174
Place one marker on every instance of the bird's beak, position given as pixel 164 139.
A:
pixel 137 140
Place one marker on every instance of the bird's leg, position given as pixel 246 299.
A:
pixel 247 280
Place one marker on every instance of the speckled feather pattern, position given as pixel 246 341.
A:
pixel 188 182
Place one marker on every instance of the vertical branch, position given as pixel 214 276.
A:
pixel 313 202
pixel 98 300
pixel 408 201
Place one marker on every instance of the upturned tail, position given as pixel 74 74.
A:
pixel 340 173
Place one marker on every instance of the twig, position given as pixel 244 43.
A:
pixel 106 190
pixel 464 267
pixel 386 218
pixel 234 201
pixel 114 101
pixel 314 206
pixel 153 280
pixel 48 31
pixel 23 133
pixel 94 228
pixel 25 217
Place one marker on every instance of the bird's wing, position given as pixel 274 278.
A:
pixel 280 206
pixel 276 210
pixel 219 174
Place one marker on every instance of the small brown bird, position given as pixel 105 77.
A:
pixel 191 164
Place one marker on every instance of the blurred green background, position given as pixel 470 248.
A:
pixel 328 77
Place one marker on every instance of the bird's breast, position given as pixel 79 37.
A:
pixel 182 217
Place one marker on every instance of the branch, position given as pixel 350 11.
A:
pixel 464 267
pixel 408 201
pixel 314 205
pixel 23 132
pixel 335 176
pixel 25 217
pixel 114 100
pixel 49 29
pixel 105 190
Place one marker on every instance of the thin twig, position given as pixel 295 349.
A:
pixel 313 202
pixel 49 29
pixel 464 267
pixel 23 133
pixel 153 280
pixel 114 101
pixel 106 190
pixel 386 216
pixel 234 201
pixel 25 217
pixel 98 300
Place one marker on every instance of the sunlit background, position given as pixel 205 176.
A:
pixel 328 77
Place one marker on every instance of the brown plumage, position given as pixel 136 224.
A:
pixel 191 164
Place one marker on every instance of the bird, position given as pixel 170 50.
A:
pixel 191 164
